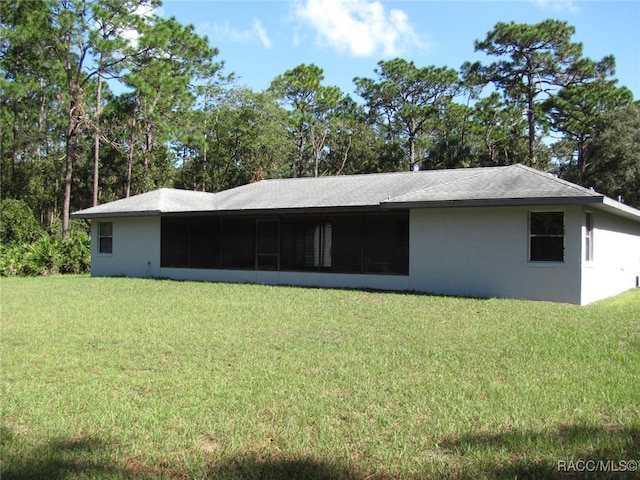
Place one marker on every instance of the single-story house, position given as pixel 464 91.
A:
pixel 508 231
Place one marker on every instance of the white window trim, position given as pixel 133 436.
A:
pixel 99 237
pixel 588 234
pixel 547 263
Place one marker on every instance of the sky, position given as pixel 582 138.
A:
pixel 261 39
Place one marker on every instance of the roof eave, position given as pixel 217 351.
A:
pixel 89 215
pixel 620 209
pixel 280 211
pixel 494 202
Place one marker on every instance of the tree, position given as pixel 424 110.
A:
pixel 499 129
pixel 234 138
pixel 311 107
pixel 534 60
pixel 353 146
pixel 114 20
pixel 30 122
pixel 173 59
pixel 85 41
pixel 408 101
pixel 612 155
pixel 574 111
pixel 17 222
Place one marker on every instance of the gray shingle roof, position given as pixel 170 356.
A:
pixel 510 185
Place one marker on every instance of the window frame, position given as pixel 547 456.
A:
pixel 588 236
pixel 102 246
pixel 324 242
pixel 531 250
pixel 267 244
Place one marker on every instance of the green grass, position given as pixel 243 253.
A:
pixel 148 379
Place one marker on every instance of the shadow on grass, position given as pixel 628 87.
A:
pixel 252 467
pixel 569 451
pixel 59 459
pixel 514 454
pixel 82 457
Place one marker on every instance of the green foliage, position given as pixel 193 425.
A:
pixel 17 222
pixel 532 60
pixel 613 155
pixel 49 254
pixel 75 254
pixel 408 101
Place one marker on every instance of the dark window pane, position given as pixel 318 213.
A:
pixel 205 242
pixel 386 244
pixel 547 223
pixel 267 236
pixel 106 245
pixel 547 249
pixel 174 242
pixel 292 244
pixel 238 243
pixel 106 229
pixel 347 243
pixel 305 245
pixel 546 237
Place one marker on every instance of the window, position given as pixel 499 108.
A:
pixel 346 253
pixel 306 245
pixel 105 237
pixel 174 242
pixel 546 236
pixel 267 232
pixel 204 245
pixel 237 243
pixel 588 237
pixel 370 242
pixel 386 244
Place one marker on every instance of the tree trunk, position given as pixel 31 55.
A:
pixel 127 187
pixel 412 151
pixel 531 120
pixel 96 139
pixel 66 197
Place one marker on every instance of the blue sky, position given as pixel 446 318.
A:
pixel 260 39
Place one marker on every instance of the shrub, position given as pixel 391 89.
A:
pixel 76 253
pixel 42 257
pixel 11 259
pixel 47 255
pixel 17 222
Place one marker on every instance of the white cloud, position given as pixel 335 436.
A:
pixel 261 32
pixel 360 27
pixel 557 5
pixel 226 32
pixel 146 11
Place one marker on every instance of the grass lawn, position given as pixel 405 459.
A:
pixel 150 379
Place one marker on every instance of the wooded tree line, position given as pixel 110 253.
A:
pixel 102 99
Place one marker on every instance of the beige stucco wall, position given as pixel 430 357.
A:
pixel 308 279
pixel 616 257
pixel 136 248
pixel 483 252
pixel 476 251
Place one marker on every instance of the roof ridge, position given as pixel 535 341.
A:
pixel 557 179
pixel 480 171
pixel 352 175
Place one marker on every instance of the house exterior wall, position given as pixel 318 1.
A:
pixel 483 252
pixel 307 279
pixel 136 248
pixel 475 251
pixel 615 267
